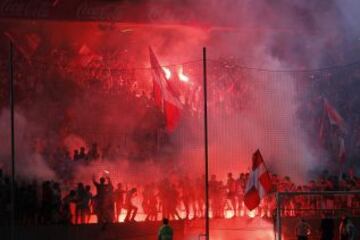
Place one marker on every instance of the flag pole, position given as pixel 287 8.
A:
pixel 12 130
pixel 207 222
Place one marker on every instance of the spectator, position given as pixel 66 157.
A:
pixel 131 209
pixel 93 153
pixel 67 216
pixel 346 229
pixel 302 230
pixel 81 202
pixel 103 193
pixel 82 155
pixel 165 232
pixel 76 155
pixel 231 192
pixel 119 199
pixel 327 227
pixel 86 203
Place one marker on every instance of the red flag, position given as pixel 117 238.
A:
pixel 334 119
pixel 333 115
pixel 27 44
pixel 259 182
pixel 164 94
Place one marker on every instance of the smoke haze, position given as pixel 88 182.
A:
pixel 276 35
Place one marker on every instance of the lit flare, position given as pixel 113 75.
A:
pixel 182 76
pixel 167 73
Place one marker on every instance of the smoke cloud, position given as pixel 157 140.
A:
pixel 277 35
pixel 28 163
pixel 271 116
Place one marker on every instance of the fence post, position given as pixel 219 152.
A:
pixel 278 216
pixel 12 139
pixel 207 217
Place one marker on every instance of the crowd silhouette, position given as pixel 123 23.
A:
pixel 176 198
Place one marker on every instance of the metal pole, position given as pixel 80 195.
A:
pixel 207 222
pixel 12 129
pixel 278 216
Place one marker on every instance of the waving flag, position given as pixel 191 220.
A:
pixel 164 95
pixel 335 119
pixel 333 115
pixel 259 182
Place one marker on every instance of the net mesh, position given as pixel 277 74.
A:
pixel 317 209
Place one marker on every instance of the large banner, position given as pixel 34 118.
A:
pixel 77 10
pixel 139 11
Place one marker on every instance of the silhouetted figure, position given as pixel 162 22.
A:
pixel 146 201
pixel 240 189
pixel 165 231
pixel 5 200
pixel 153 204
pixel 302 230
pixel 215 197
pixel 55 203
pixel 76 155
pixel 327 227
pixel 101 199
pixel 173 198
pixel 346 229
pixel 31 204
pixel 82 154
pixel 199 197
pixel 131 209
pixel 66 168
pixel 80 207
pixel 119 199
pixel 213 184
pixel 93 153
pixel 46 202
pixel 86 203
pixel 109 203
pixel 187 196
pixel 231 192
pixel 163 187
pixel 67 217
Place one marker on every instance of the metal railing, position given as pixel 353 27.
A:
pixel 280 196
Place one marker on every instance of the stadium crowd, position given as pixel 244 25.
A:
pixel 119 91
pixel 51 202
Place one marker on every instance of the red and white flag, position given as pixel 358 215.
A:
pixel 164 95
pixel 259 182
